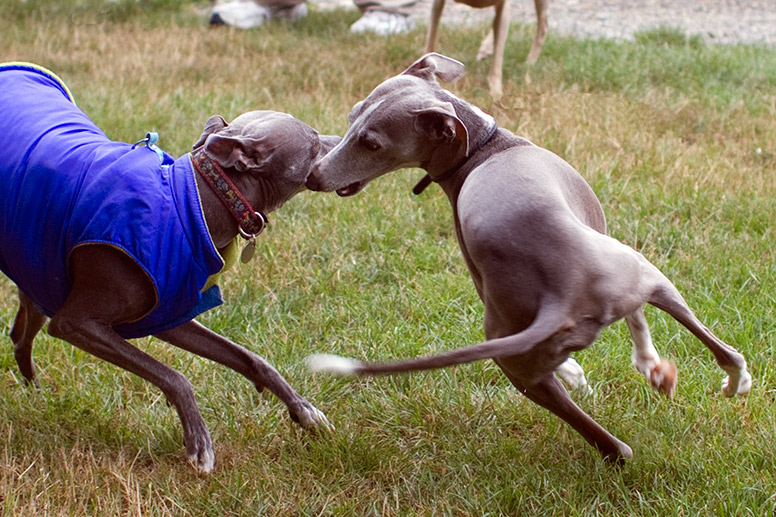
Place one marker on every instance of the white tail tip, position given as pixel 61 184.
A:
pixel 330 363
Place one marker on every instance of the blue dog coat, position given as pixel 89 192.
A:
pixel 64 184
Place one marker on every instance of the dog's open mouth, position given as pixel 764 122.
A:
pixel 350 190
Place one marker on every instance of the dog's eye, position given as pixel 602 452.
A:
pixel 369 144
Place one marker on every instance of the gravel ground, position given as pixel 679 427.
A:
pixel 718 21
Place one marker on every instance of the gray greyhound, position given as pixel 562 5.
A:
pixel 532 234
pixel 141 235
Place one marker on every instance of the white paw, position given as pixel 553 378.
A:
pixel 742 385
pixel 572 374
pixel 199 447
pixel 311 417
pixel 203 460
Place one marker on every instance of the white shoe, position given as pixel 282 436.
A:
pixel 240 14
pixel 383 23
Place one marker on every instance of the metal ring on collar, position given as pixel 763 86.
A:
pixel 250 236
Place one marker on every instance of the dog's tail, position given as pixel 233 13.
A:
pixel 548 322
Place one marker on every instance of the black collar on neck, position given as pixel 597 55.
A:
pixel 426 180
pixel 249 221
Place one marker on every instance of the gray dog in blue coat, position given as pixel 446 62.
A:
pixel 114 241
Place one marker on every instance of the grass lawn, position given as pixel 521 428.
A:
pixel 677 138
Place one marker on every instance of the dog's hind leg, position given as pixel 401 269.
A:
pixel 660 373
pixel 532 374
pixel 109 289
pixel 100 340
pixel 26 326
pixel 667 298
pixel 549 393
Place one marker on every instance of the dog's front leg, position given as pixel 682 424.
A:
pixel 200 340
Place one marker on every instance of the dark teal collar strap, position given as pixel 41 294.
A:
pixel 426 180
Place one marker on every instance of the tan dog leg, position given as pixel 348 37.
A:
pixel 486 47
pixel 541 31
pixel 433 26
pixel 500 32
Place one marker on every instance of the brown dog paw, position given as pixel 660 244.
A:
pixel 663 377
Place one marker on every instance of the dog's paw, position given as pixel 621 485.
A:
pixel 310 417
pixel 620 453
pixel 737 383
pixel 199 452
pixel 572 374
pixel 662 377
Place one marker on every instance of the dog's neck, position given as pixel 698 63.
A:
pixel 227 202
pixel 447 160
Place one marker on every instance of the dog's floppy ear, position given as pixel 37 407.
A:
pixel 213 124
pixel 440 123
pixel 433 66
pixel 239 152
pixel 328 142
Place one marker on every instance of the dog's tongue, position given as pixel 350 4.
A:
pixel 350 190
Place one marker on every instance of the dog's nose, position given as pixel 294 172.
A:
pixel 313 181
pixel 215 19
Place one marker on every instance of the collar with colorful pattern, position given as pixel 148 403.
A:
pixel 249 221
